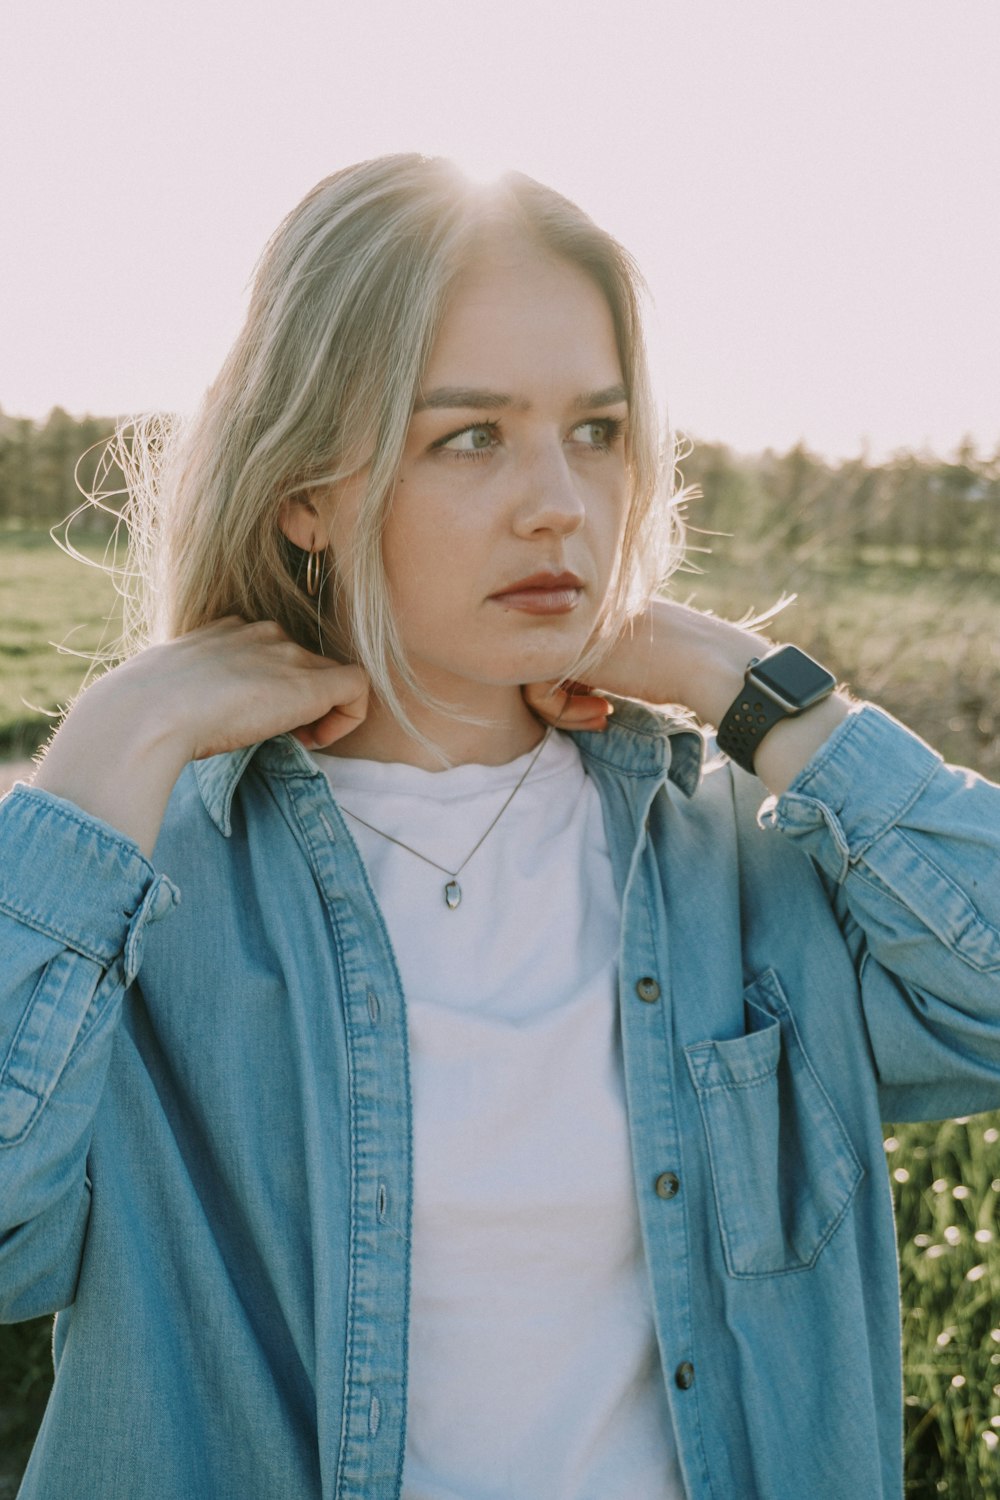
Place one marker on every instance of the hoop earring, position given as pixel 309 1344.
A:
pixel 313 575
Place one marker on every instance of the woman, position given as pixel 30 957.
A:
pixel 601 1208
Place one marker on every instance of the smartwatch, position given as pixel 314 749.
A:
pixel 780 685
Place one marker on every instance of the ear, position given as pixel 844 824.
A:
pixel 299 520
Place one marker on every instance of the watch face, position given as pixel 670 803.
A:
pixel 794 678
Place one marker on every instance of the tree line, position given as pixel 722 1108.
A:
pixel 914 508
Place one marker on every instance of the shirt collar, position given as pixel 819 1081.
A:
pixel 638 742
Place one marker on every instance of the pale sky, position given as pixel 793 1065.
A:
pixel 812 189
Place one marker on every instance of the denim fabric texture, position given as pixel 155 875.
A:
pixel 205 1133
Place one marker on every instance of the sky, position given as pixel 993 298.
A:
pixel 812 190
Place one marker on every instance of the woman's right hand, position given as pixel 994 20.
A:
pixel 231 684
pixel 221 687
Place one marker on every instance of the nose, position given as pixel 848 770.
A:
pixel 549 495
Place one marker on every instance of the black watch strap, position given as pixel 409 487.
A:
pixel 746 722
pixel 780 685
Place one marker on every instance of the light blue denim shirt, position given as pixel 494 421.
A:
pixel 205 1135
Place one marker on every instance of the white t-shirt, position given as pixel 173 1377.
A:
pixel 533 1367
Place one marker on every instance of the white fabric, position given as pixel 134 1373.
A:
pixel 533 1368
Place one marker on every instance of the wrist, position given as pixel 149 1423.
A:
pixel 713 664
pixel 116 759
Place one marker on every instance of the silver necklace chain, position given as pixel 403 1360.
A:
pixel 453 891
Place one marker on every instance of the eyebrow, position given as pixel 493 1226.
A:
pixel 461 397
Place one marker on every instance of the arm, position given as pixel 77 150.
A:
pixel 673 654
pixel 75 899
pixel 908 849
pixel 77 892
pixel 227 685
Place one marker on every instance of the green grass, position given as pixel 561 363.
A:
pixel 946 1189
pixel 924 644
pixel 55 612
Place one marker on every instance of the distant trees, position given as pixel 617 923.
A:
pixel 916 508
pixel 38 460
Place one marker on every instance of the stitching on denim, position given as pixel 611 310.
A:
pixel 96 1013
pixel 772 984
pixel 827 1237
pixel 15 1140
pixel 38 924
pixel 769 983
pixel 726 1236
pixel 352 1258
pixel 892 819
pixel 871 878
pixel 978 922
pixel 757 1081
pixel 685 1217
pixel 841 736
pixel 44 805
pixel 32 1001
pixel 9 1141
pixel 331 906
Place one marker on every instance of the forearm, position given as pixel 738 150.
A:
pixel 75 901
pixel 219 688
pixel 112 759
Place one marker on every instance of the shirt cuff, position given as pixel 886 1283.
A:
pixel 859 783
pixel 75 879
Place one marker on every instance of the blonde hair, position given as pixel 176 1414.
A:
pixel 321 382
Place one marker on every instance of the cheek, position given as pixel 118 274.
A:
pixel 609 519
pixel 423 553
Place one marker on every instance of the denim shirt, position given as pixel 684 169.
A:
pixel 205 1130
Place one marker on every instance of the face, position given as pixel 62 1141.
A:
pixel 507 516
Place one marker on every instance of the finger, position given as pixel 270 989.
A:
pixel 338 722
pixel 590 714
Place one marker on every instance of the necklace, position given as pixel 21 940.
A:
pixel 452 889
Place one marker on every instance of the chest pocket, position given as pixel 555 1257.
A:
pixel 783 1169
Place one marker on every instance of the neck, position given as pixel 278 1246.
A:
pixel 511 730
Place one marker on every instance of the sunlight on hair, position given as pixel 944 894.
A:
pixel 480 165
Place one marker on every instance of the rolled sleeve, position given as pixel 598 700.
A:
pixel 74 879
pixel 906 835
pixel 909 849
pixel 76 899
pixel 859 785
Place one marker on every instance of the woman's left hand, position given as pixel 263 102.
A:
pixel 668 654
pixel 673 654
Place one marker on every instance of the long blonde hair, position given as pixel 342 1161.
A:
pixel 321 382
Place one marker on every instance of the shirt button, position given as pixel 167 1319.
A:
pixel 648 990
pixel 667 1185
pixel 684 1376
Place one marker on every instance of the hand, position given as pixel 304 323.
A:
pixel 221 687
pixel 231 684
pixel 674 655
pixel 667 654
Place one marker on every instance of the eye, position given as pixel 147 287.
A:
pixel 472 442
pixel 600 432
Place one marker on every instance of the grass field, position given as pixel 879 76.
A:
pixel 926 645
pixel 55 613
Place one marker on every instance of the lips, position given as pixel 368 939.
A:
pixel 542 594
pixel 546 583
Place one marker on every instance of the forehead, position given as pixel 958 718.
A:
pixel 514 305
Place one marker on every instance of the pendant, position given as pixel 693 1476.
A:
pixel 452 894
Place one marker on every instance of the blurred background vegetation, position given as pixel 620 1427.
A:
pixel 896 569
